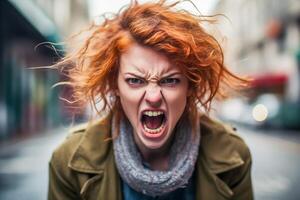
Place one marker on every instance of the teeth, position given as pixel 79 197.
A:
pixel 153 113
pixel 150 114
pixel 153 131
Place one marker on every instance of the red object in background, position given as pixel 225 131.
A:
pixel 269 80
pixel 267 83
pixel 273 29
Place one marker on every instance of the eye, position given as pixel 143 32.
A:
pixel 170 81
pixel 134 81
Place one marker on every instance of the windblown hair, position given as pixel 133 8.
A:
pixel 92 67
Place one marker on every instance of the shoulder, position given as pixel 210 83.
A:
pixel 65 150
pixel 61 177
pixel 225 158
pixel 82 142
pixel 222 147
pixel 82 155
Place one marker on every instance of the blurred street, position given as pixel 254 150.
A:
pixel 276 164
pixel 24 166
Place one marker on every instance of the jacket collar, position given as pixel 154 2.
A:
pixel 216 150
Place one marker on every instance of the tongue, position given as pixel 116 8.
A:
pixel 153 122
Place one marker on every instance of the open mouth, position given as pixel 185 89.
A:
pixel 153 121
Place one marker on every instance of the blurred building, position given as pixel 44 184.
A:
pixel 263 40
pixel 28 104
pixel 70 16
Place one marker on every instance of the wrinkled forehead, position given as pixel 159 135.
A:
pixel 145 61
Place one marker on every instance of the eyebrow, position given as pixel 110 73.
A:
pixel 167 76
pixel 172 74
pixel 132 74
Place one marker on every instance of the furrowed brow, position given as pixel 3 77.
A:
pixel 135 75
pixel 172 74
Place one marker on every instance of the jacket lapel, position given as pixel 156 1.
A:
pixel 217 155
pixel 94 156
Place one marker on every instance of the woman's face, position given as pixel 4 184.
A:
pixel 153 94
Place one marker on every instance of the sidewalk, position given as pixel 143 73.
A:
pixel 24 166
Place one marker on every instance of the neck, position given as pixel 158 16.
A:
pixel 158 159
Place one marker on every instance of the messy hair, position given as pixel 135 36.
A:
pixel 92 67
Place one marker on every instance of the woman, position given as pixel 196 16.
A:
pixel 152 67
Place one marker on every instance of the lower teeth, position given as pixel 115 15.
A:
pixel 153 131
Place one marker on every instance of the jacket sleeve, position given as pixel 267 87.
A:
pixel 59 188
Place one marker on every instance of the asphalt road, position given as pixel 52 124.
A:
pixel 276 165
pixel 24 166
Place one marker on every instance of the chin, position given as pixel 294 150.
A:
pixel 153 145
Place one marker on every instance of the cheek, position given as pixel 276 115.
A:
pixel 178 94
pixel 178 104
pixel 124 93
pixel 129 99
pixel 176 100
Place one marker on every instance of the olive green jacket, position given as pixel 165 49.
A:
pixel 83 167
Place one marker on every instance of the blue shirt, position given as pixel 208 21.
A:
pixel 187 193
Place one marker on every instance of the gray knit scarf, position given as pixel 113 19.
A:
pixel 183 156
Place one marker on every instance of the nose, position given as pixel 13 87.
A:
pixel 153 95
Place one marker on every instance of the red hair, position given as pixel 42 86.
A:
pixel 93 66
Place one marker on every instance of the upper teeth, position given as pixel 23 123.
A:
pixel 153 113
